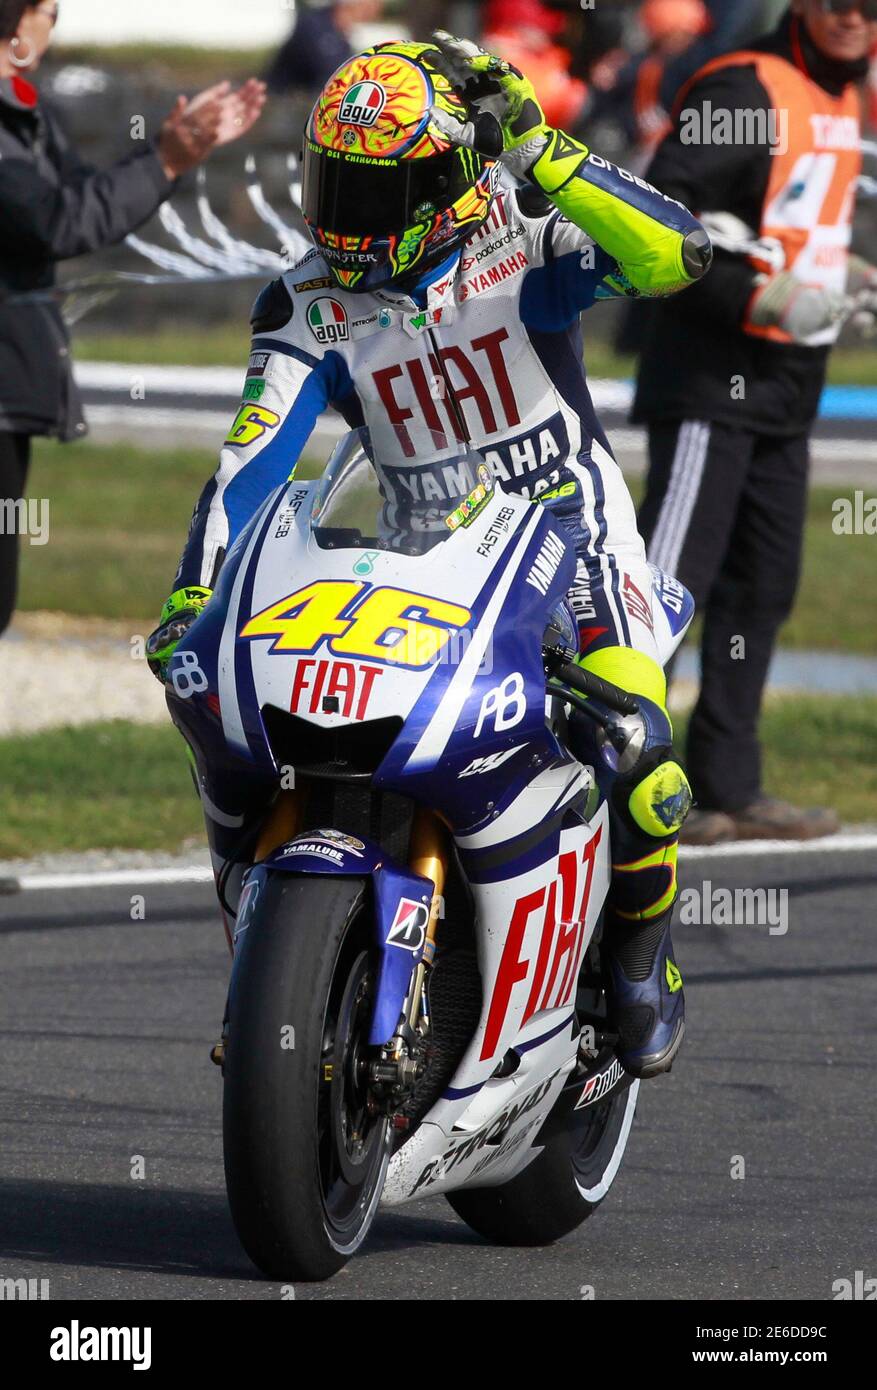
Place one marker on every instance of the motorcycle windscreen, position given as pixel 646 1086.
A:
pixel 367 501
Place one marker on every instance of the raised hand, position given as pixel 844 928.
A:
pixel 505 120
pixel 214 117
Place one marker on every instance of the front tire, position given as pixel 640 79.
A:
pixel 561 1188
pixel 305 1159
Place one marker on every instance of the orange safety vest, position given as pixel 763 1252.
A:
pixel 652 120
pixel 815 167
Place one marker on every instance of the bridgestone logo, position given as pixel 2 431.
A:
pixel 596 1087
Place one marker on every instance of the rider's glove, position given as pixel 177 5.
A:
pixel 505 121
pixel 177 616
pixel 800 310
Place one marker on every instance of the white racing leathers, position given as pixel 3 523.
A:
pixel 492 363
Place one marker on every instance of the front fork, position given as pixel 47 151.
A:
pixel 402 1062
pixel 428 857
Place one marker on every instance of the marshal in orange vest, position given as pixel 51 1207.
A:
pixel 816 163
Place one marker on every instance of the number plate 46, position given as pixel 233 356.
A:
pixel 355 619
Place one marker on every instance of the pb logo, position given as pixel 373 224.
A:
pixel 362 104
pixel 505 705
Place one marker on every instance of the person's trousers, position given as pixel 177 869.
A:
pixel 724 513
pixel 14 460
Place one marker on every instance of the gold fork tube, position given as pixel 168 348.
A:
pixel 428 856
pixel 283 823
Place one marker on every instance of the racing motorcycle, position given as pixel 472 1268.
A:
pixel 378 720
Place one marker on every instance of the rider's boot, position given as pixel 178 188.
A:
pixel 649 799
pixel 647 1004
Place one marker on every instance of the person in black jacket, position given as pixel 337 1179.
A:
pixel 52 206
pixel 765 148
pixel 319 43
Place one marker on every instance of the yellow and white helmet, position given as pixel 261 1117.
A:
pixel 385 194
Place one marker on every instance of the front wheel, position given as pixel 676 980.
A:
pixel 562 1187
pixel 305 1157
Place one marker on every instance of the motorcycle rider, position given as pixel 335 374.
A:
pixel 437 306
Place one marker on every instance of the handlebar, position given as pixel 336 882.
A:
pixel 586 683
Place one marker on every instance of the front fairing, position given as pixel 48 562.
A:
pixel 471 703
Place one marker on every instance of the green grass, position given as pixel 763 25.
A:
pixel 819 751
pixel 107 786
pixel 836 607
pixel 125 786
pixel 848 366
pixel 227 344
pixel 118 520
pixel 119 517
pixel 853 366
pixel 220 345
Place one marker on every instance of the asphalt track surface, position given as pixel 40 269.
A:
pixel 106 1025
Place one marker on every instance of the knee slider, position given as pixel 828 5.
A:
pixel 654 795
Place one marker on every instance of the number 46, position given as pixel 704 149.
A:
pixel 382 624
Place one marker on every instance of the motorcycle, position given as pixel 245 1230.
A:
pixel 413 863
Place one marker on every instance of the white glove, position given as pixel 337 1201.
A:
pixel 504 120
pixel 862 288
pixel 800 310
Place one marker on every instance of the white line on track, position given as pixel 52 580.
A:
pixel 117 878
pixel 830 844
pixel 199 873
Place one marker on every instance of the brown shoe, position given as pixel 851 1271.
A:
pixel 769 819
pixel 707 828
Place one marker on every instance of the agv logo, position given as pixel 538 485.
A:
pixel 328 321
pixel 362 104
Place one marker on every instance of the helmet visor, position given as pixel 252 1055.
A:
pixel 350 196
